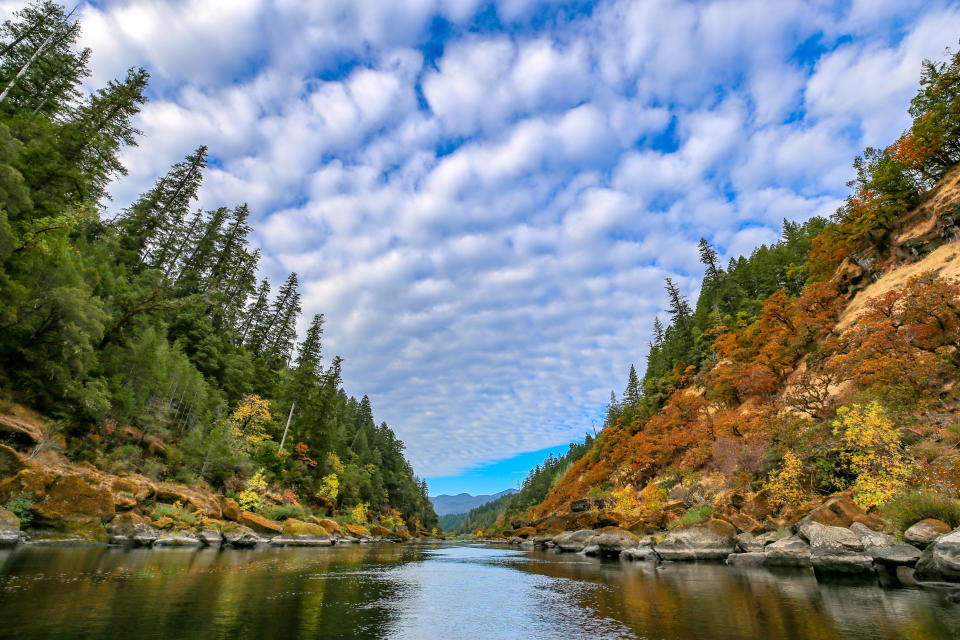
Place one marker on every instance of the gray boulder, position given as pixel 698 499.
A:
pixel 641 553
pixel 574 541
pixel 211 537
pixel 178 539
pixel 612 541
pixel 788 552
pixel 941 559
pixel 827 540
pixel 9 528
pixel 897 555
pixel 841 563
pixel 591 549
pixel 750 543
pixel 712 540
pixel 748 559
pixel 240 536
pixel 926 531
pixel 870 538
pixel 132 530
pixel 301 541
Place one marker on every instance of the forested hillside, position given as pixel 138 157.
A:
pixel 494 517
pixel 775 386
pixel 145 338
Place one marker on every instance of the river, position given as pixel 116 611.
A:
pixel 444 591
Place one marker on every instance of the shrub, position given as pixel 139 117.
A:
pixel 283 511
pixel 251 498
pixel 692 516
pixel 909 507
pixel 164 511
pixel 784 485
pixel 19 505
pixel 187 517
pixel 872 453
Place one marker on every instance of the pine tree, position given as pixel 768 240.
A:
pixel 282 326
pixel 633 394
pixel 709 258
pixel 253 329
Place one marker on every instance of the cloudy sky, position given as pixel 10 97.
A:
pixel 484 197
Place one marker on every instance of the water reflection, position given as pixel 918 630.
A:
pixel 434 591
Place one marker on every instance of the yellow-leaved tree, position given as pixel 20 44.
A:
pixel 785 484
pixel 249 421
pixel 872 452
pixel 251 498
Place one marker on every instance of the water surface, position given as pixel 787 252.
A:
pixel 442 591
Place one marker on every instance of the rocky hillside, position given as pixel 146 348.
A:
pixel 49 499
pixel 812 385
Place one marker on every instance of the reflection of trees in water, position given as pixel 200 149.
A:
pixel 294 593
pixel 713 601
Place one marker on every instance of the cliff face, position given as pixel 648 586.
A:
pixel 882 332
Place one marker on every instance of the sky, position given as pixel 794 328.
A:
pixel 484 198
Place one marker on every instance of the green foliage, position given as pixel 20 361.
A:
pixel 284 511
pixel 164 511
pixel 909 507
pixel 694 515
pixel 154 319
pixel 20 505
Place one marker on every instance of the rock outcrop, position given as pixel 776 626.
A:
pixel 9 528
pixel 926 531
pixel 712 540
pixel 259 524
pixel 941 559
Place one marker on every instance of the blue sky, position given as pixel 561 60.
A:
pixel 485 197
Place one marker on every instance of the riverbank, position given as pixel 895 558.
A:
pixel 835 539
pixel 65 503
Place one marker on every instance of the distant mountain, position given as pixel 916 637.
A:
pixel 463 502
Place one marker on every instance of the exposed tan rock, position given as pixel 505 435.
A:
pixel 11 462
pixel 380 532
pixel 258 523
pixel 71 500
pixel 230 509
pixel 9 527
pixel 926 531
pixel 525 532
pixel 840 510
pixel 356 530
pixel 21 428
pixel 192 499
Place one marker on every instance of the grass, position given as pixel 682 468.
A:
pixel 694 515
pixel 910 507
pixel 284 512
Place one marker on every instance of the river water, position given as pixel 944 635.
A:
pixel 443 591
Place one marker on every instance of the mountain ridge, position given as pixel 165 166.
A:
pixel 445 504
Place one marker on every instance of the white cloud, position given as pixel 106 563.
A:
pixel 486 220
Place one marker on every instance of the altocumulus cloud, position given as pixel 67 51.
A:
pixel 484 198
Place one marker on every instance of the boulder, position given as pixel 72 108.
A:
pixel 140 487
pixel 259 524
pixel 896 555
pixel 926 531
pixel 333 529
pixel 752 544
pixel 643 553
pixel 840 510
pixel 743 522
pixel 380 532
pixel 574 541
pixel 297 533
pixel 185 538
pixel 613 540
pixel 711 540
pixel 825 539
pixel 644 526
pixel 831 562
pixel 525 532
pixel 230 509
pixel 9 527
pixel 941 559
pixel 123 502
pixel 191 499
pixel 211 537
pixel 757 507
pixel 520 523
pixel 749 559
pixel 788 552
pixel 870 538
pixel 132 529
pixel 237 535
pixel 71 501
pixel 591 550
pixel 356 530
pixel 400 530
pixel 593 519
pixel 10 462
